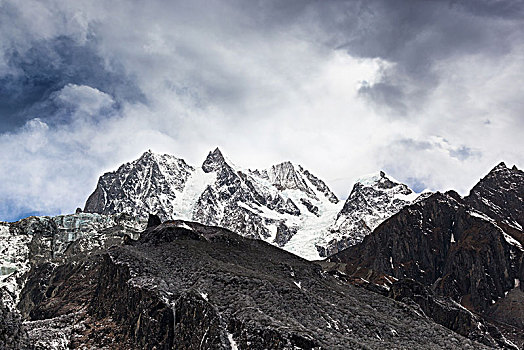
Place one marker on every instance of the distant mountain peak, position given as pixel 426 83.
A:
pixel 217 151
pixel 380 179
pixel 285 176
pixel 500 195
pixel 374 198
pixel 148 184
pixel 214 161
pixel 500 165
pixel 502 168
pixel 146 155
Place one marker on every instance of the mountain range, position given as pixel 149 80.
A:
pixel 285 205
pixel 169 255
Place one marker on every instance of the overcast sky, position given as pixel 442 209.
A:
pixel 429 91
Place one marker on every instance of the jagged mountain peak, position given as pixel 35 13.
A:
pixel 500 195
pixel 500 165
pixel 374 198
pixel 214 161
pixel 288 176
pixel 502 170
pixel 160 158
pixel 146 185
pixel 381 182
pixel 273 204
pixel 285 176
pixel 168 164
pixel 378 179
pixel 148 155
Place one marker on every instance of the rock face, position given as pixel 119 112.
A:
pixel 12 333
pixel 37 240
pixel 446 243
pixel 372 200
pixel 439 240
pixel 500 195
pixel 185 285
pixel 281 204
pixel 47 241
pixel 448 313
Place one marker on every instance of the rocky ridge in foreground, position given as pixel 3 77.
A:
pixel 185 285
pixel 31 242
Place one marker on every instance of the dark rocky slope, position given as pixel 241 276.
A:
pixel 500 195
pixel 188 286
pixel 441 241
pixel 29 244
pixel 447 244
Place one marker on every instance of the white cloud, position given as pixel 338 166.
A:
pixel 84 99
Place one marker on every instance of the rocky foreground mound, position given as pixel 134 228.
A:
pixel 188 286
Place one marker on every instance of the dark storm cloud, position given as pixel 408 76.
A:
pixel 34 75
pixel 416 35
pixel 385 94
pixel 512 9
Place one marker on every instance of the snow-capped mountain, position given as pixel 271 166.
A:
pixel 285 205
pixel 274 204
pixel 373 199
pixel 148 184
pixel 66 280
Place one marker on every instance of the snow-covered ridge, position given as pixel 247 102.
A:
pixel 373 199
pixel 273 204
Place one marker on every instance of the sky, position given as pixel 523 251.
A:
pixel 429 91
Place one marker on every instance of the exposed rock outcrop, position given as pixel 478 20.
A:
pixel 500 195
pixel 448 313
pixel 440 241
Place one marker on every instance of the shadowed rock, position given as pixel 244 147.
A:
pixel 153 221
pixel 186 286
